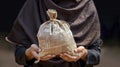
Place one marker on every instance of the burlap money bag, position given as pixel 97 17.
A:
pixel 55 36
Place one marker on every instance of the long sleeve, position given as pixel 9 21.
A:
pixel 93 57
pixel 94 50
pixel 20 56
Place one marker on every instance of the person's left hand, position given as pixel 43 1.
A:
pixel 81 51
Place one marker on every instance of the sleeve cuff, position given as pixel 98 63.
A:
pixel 20 56
pixel 93 58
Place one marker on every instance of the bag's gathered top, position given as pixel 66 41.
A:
pixel 55 37
pixel 81 15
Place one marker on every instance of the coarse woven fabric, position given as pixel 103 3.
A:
pixel 55 37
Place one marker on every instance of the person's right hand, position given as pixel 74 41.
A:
pixel 33 52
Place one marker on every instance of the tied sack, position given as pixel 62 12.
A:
pixel 54 36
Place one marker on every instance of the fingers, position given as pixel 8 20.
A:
pixel 32 52
pixel 35 51
pixel 35 54
pixel 79 49
pixel 34 47
pixel 68 57
pixel 82 52
pixel 47 57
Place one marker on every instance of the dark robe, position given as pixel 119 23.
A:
pixel 84 24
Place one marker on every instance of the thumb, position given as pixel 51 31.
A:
pixel 34 47
pixel 79 49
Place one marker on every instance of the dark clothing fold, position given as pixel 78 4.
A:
pixel 82 17
pixel 93 58
pixel 83 20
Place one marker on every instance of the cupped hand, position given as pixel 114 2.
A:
pixel 47 57
pixel 81 54
pixel 33 52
